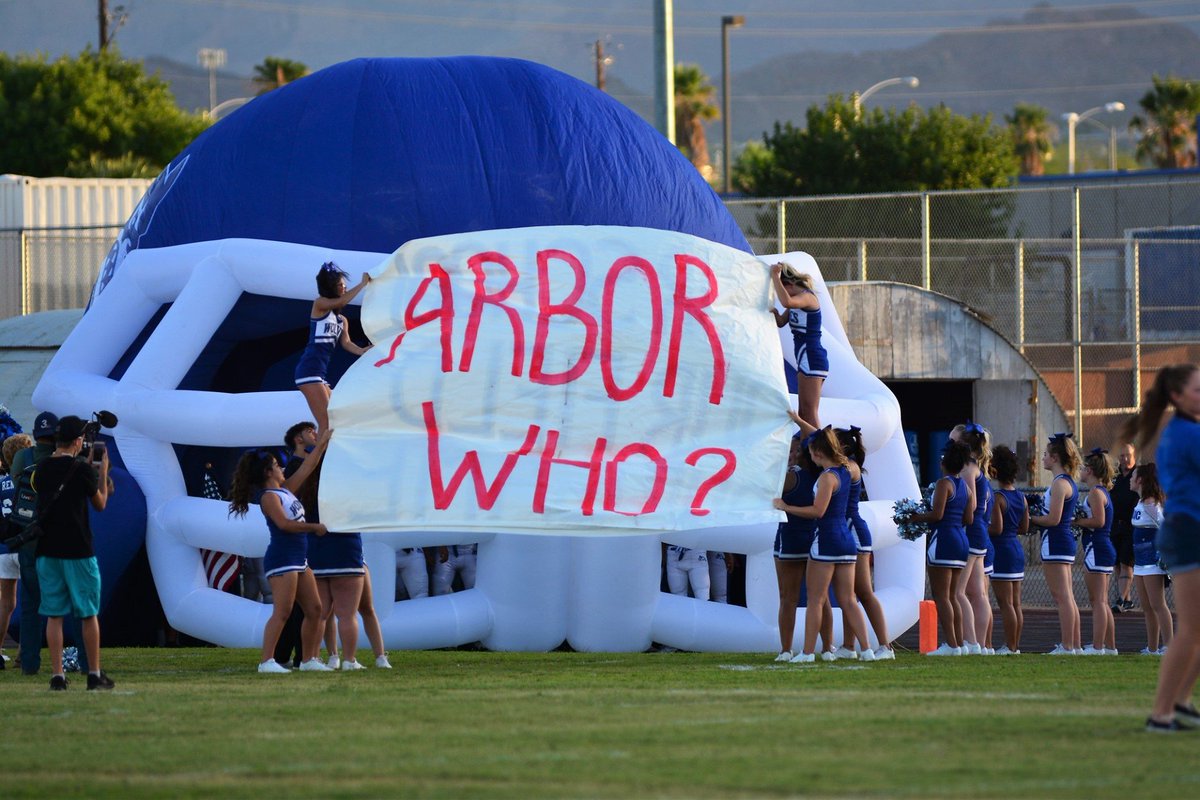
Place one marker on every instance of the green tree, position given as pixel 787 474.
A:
pixel 274 72
pixel 92 114
pixel 1168 129
pixel 693 107
pixel 1032 137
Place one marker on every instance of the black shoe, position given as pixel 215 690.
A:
pixel 1127 605
pixel 1117 607
pixel 1154 726
pixel 100 681
pixel 59 683
pixel 1187 716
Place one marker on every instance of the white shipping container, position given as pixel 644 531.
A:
pixel 67 202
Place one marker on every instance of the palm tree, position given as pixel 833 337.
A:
pixel 1168 131
pixel 274 72
pixel 693 107
pixel 1032 136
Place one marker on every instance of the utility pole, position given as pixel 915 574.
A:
pixel 601 63
pixel 118 16
pixel 664 68
pixel 103 25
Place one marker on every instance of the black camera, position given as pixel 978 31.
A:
pixel 93 450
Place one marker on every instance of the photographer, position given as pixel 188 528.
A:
pixel 66 563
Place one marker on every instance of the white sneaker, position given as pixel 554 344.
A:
pixel 1059 650
pixel 961 651
pixel 1004 651
pixel 989 651
pixel 1162 651
pixel 845 652
pixel 272 667
pixel 943 650
pixel 885 654
pixel 786 655
pixel 381 662
pixel 1078 651
pixel 1092 651
pixel 829 655
pixel 972 649
pixel 866 655
pixel 334 661
pixel 314 665
pixel 1146 651
pixel 349 666
pixel 1110 651
pixel 804 658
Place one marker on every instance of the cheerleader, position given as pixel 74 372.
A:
pixel 1010 519
pixel 259 476
pixel 833 554
pixel 1061 459
pixel 953 504
pixel 1099 555
pixel 852 445
pixel 1149 577
pixel 803 313
pixel 1178 540
pixel 973 589
pixel 326 330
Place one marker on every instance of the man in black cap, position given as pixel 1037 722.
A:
pixel 66 563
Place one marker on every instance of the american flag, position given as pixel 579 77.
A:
pixel 220 569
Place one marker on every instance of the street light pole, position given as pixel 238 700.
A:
pixel 1073 119
pixel 727 22
pixel 211 58
pixel 911 82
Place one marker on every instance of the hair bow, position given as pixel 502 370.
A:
pixel 855 429
pixel 973 427
pixel 808 440
pixel 1098 451
pixel 329 266
pixel 1060 437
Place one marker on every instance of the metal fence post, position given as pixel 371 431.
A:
pixel 1137 325
pixel 781 226
pixel 1020 270
pixel 1077 310
pixel 862 259
pixel 24 261
pixel 926 278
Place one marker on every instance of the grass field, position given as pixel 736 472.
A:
pixel 202 723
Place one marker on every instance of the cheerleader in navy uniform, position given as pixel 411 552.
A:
pixel 1099 555
pixel 833 554
pixel 852 445
pixel 326 330
pixel 259 477
pixel 1061 459
pixel 1178 540
pixel 952 503
pixel 803 314
pixel 973 592
pixel 1150 578
pixel 1010 520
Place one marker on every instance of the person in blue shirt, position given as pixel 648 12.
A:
pixel 1061 459
pixel 802 312
pixel 1178 460
pixel 1099 555
pixel 326 330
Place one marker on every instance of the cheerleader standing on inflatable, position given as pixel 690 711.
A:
pixel 326 330
pixel 1099 555
pixel 1149 578
pixel 1010 519
pixel 1061 459
pixel 1178 459
pixel 973 589
pixel 803 314
pixel 852 445
pixel 952 504
pixel 259 476
pixel 833 553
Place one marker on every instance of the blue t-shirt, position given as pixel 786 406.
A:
pixel 1178 458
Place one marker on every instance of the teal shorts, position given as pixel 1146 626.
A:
pixel 69 585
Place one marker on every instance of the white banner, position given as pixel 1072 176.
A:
pixel 583 380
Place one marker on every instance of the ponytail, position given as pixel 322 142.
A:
pixel 1101 466
pixel 825 442
pixel 851 442
pixel 249 475
pixel 1142 428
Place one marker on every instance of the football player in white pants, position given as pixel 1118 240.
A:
pixel 719 566
pixel 455 559
pixel 412 573
pixel 685 566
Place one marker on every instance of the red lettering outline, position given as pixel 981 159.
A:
pixel 694 306
pixel 718 477
pixel 593 466
pixel 656 491
pixel 486 495
pixel 445 311
pixel 475 264
pixel 567 307
pixel 606 325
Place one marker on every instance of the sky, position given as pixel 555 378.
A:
pixel 559 34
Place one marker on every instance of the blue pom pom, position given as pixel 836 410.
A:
pixel 70 659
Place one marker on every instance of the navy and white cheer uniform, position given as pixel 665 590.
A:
pixel 688 567
pixel 1147 518
pixel 412 573
pixel 336 554
pixel 718 577
pixel 948 541
pixel 1010 555
pixel 858 525
pixel 811 358
pixel 323 335
pixel 287 552
pixel 460 562
pixel 1099 555
pixel 834 542
pixel 1058 543
pixel 977 529
pixel 794 536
